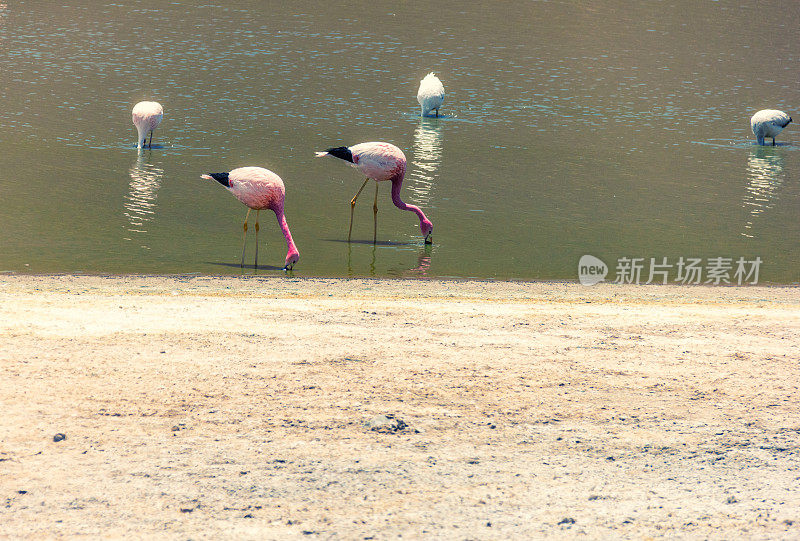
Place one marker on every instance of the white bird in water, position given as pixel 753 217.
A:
pixel 768 123
pixel 259 189
pixel 430 94
pixel 147 116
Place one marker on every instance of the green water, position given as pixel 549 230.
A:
pixel 568 129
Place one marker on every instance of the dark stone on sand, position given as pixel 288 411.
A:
pixel 387 424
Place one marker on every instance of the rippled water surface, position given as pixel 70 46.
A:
pixel 568 129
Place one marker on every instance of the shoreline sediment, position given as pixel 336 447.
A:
pixel 238 406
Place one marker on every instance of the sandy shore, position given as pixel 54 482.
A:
pixel 224 407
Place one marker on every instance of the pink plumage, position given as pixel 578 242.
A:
pixel 380 161
pixel 259 189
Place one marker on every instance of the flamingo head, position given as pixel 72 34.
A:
pixel 427 230
pixel 291 258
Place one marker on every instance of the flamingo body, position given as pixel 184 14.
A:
pixel 259 189
pixel 768 123
pixel 146 117
pixel 430 94
pixel 381 162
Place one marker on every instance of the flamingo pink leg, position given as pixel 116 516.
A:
pixel 353 206
pixel 255 264
pixel 375 213
pixel 244 236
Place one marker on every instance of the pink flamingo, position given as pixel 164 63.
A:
pixel 380 161
pixel 259 189
pixel 147 116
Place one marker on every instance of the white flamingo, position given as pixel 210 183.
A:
pixel 147 116
pixel 768 123
pixel 430 94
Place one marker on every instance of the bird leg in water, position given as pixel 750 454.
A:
pixel 375 213
pixel 255 264
pixel 150 144
pixel 244 236
pixel 353 206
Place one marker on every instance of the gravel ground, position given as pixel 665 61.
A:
pixel 275 408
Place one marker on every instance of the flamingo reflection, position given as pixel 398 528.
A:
pixel 419 271
pixel 423 265
pixel 3 15
pixel 765 175
pixel 140 201
pixel 427 157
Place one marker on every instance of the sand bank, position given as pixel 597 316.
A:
pixel 209 407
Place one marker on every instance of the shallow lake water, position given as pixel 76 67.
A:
pixel 568 129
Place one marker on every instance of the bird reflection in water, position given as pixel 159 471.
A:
pixel 3 15
pixel 419 271
pixel 426 160
pixel 765 176
pixel 423 265
pixel 140 201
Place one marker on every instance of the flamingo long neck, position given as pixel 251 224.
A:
pixel 291 248
pixel 396 185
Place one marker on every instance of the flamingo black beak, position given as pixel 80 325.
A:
pixel 429 238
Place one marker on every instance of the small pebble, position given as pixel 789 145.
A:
pixel 59 437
